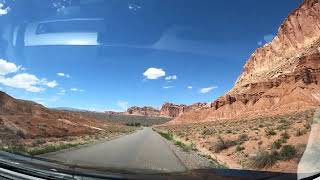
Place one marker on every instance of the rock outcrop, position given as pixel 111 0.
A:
pixel 174 110
pixel 279 78
pixel 143 111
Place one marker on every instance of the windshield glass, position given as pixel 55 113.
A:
pixel 162 85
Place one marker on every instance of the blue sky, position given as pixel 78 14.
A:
pixel 181 52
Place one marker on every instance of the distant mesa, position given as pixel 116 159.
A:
pixel 167 109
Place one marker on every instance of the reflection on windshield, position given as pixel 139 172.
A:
pixel 162 86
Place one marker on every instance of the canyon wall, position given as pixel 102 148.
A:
pixel 279 78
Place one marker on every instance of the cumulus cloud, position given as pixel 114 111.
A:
pixel 154 73
pixel 122 104
pixel 173 77
pixel 207 89
pixel 7 67
pixel 189 87
pixel 26 81
pixel 63 75
pixel 52 84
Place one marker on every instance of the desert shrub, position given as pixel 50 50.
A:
pixel 285 136
pixel 50 148
pixel 37 142
pixel 221 144
pixel 300 148
pixel 299 132
pixel 239 148
pixel 287 152
pixel 208 132
pixel 277 144
pixel 264 159
pixel 167 135
pixel 134 124
pixel 307 126
pixel 185 147
pixel 20 134
pixel 242 138
pixel 270 132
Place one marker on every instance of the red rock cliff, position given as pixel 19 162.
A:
pixel 280 77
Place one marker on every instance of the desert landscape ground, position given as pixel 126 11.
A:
pixel 268 143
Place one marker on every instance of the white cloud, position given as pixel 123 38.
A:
pixel 26 81
pixel 167 87
pixel 122 104
pixel 133 7
pixel 63 75
pixel 189 87
pixel 76 89
pixel 52 84
pixel 7 67
pixel 208 89
pixel 3 11
pixel 154 73
pixel 173 77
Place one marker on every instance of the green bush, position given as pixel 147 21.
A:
pixel 239 148
pixel 167 135
pixel 285 136
pixel 264 159
pixel 270 132
pixel 277 144
pixel 287 152
pixel 242 138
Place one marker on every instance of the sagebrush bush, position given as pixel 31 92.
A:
pixel 287 152
pixel 221 144
pixel 264 159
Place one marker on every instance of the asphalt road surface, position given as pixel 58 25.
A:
pixel 142 150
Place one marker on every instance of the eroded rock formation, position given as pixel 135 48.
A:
pixel 279 78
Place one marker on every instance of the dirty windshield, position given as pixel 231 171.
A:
pixel 162 85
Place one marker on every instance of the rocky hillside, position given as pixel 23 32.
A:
pixel 29 120
pixel 279 78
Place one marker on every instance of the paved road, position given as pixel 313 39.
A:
pixel 144 149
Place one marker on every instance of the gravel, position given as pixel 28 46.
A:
pixel 191 159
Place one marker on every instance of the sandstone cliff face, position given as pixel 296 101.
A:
pixel 143 111
pixel 298 33
pixel 174 110
pixel 279 78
